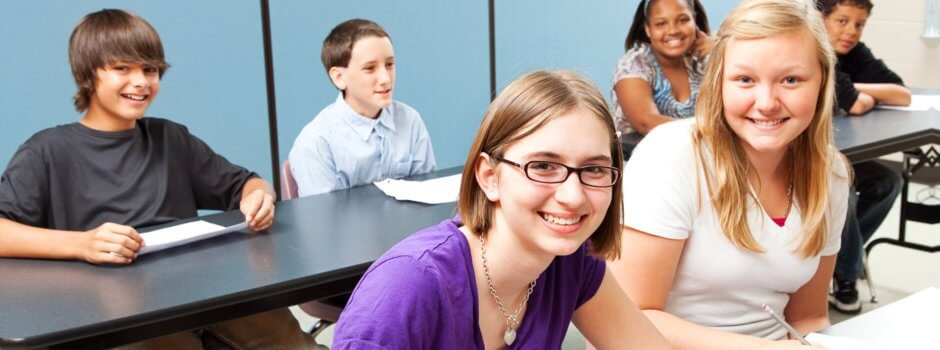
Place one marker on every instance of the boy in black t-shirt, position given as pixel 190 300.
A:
pixel 862 81
pixel 77 191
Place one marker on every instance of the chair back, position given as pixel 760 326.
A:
pixel 288 185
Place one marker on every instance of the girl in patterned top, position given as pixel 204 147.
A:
pixel 658 78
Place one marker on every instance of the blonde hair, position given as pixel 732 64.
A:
pixel 523 107
pixel 810 152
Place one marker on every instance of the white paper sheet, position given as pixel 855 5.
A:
pixel 918 103
pixel 434 191
pixel 173 236
pixel 832 342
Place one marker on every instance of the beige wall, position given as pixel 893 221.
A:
pixel 893 33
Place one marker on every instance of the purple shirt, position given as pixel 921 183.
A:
pixel 422 295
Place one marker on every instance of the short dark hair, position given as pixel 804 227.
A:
pixel 107 36
pixel 827 6
pixel 337 47
pixel 637 34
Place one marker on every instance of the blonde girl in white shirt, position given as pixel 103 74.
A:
pixel 744 205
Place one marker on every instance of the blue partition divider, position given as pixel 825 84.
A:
pixel 441 59
pixel 217 85
pixel 586 37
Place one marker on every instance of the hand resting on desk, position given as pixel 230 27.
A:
pixel 257 204
pixel 110 243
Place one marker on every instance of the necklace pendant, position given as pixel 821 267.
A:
pixel 509 336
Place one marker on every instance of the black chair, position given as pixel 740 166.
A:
pixel 921 167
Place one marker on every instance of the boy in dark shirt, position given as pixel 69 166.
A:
pixel 862 81
pixel 77 191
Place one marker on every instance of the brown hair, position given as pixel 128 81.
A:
pixel 107 36
pixel 526 105
pixel 811 152
pixel 338 45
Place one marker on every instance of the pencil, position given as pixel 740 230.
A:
pixel 786 325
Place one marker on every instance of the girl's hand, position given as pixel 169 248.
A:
pixel 702 45
pixel 793 344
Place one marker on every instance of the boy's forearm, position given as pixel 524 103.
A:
pixel 23 241
pixel 255 184
pixel 886 93
pixel 863 103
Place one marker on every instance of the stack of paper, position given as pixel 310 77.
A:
pixel 173 236
pixel 832 342
pixel 918 103
pixel 435 191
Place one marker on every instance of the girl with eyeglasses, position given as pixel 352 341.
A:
pixel 515 267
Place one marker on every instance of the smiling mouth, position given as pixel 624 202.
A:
pixel 768 123
pixel 560 221
pixel 135 97
pixel 674 42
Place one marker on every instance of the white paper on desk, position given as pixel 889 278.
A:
pixel 832 342
pixel 918 103
pixel 434 191
pixel 173 236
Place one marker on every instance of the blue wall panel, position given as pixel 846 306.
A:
pixel 586 37
pixel 215 85
pixel 442 64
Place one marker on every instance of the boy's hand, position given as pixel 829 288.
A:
pixel 110 243
pixel 258 208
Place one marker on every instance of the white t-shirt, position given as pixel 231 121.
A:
pixel 717 284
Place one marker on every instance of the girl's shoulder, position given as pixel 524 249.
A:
pixel 636 60
pixel 840 166
pixel 639 53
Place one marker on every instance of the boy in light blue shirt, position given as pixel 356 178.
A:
pixel 364 136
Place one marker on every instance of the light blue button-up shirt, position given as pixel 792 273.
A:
pixel 341 148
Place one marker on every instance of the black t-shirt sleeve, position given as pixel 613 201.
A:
pixel 864 67
pixel 845 91
pixel 216 182
pixel 24 188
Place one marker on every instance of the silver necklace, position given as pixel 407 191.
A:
pixel 786 212
pixel 512 321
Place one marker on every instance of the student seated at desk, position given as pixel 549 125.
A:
pixel 658 79
pixel 77 191
pixel 862 81
pixel 365 135
pixel 514 268
pixel 743 205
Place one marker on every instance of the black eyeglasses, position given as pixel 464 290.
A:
pixel 553 173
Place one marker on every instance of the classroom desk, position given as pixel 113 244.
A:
pixel 861 138
pixel 318 246
pixel 909 323
pixel 884 131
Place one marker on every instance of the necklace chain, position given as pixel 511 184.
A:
pixel 512 320
pixel 786 212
